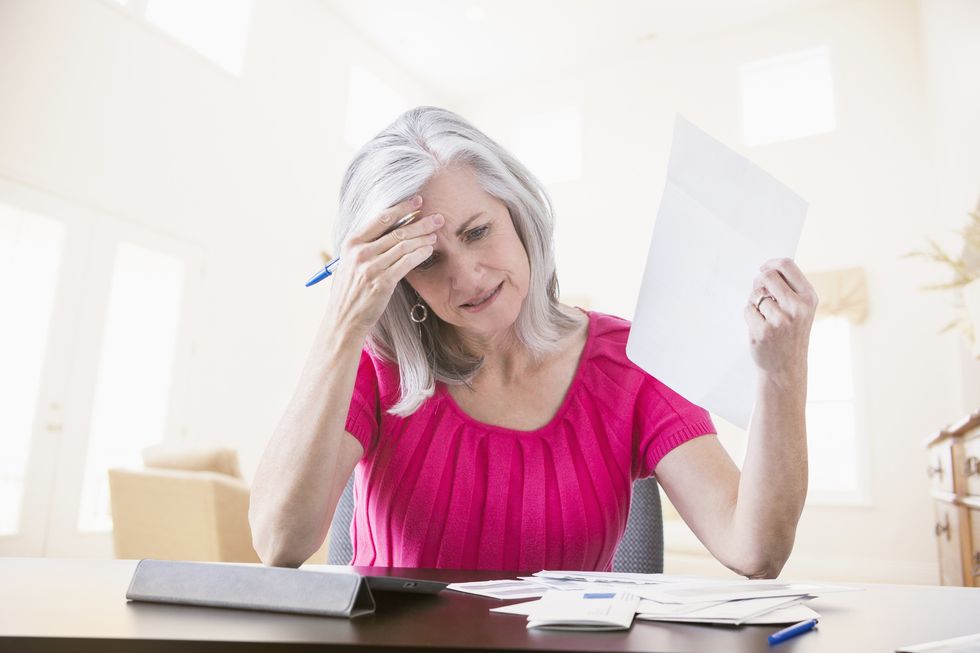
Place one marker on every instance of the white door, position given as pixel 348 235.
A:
pixel 95 354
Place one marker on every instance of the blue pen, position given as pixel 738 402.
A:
pixel 792 631
pixel 332 265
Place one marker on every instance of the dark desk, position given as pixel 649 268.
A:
pixel 79 605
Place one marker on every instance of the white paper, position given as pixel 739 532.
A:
pixel 595 609
pixel 725 612
pixel 523 609
pixel 617 577
pixel 750 589
pixel 500 589
pixel 967 644
pixel 720 218
pixel 789 615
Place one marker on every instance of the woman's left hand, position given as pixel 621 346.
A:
pixel 779 314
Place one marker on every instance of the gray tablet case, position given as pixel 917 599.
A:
pixel 251 587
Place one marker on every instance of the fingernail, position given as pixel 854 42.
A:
pixel 438 219
pixel 417 201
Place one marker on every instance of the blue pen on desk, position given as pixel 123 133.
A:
pixel 329 268
pixel 792 631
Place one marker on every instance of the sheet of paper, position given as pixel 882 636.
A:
pixel 967 644
pixel 720 218
pixel 595 609
pixel 501 589
pixel 750 589
pixel 731 612
pixel 523 609
pixel 617 577
pixel 789 615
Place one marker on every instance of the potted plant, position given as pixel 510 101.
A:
pixel 965 283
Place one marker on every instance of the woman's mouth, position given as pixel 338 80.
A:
pixel 481 303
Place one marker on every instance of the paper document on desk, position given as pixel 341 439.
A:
pixel 771 610
pixel 967 644
pixel 702 592
pixel 720 218
pixel 588 610
pixel 779 610
pixel 615 577
pixel 501 589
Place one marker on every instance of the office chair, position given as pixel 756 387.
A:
pixel 640 551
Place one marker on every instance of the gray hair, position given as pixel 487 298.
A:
pixel 394 166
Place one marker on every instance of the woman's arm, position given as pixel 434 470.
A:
pixel 307 463
pixel 748 520
pixel 310 457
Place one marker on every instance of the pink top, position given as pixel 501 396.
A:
pixel 439 489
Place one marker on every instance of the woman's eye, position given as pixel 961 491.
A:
pixel 478 233
pixel 427 263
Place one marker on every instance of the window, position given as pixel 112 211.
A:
pixel 30 253
pixel 550 144
pixel 832 437
pixel 787 97
pixel 216 29
pixel 132 388
pixel 372 105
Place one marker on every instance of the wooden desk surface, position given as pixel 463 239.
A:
pixel 50 604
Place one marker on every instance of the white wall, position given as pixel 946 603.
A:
pixel 117 117
pixel 951 48
pixel 114 115
pixel 873 190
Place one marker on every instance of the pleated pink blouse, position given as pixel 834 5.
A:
pixel 439 489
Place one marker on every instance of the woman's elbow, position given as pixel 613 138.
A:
pixel 768 570
pixel 766 560
pixel 271 543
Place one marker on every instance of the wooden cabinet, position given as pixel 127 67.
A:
pixel 954 474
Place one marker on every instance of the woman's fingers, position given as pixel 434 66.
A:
pixel 775 285
pixel 792 275
pixel 375 227
pixel 420 228
pixel 400 249
pixel 397 271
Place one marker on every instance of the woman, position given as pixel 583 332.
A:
pixel 490 426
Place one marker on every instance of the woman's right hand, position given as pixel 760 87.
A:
pixel 372 263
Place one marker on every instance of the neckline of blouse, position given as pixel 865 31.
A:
pixel 443 390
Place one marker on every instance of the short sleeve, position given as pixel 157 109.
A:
pixel 662 421
pixel 364 411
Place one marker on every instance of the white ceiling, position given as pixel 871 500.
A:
pixel 460 47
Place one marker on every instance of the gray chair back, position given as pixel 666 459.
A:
pixel 640 552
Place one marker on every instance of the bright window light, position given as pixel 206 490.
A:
pixel 132 387
pixel 30 253
pixel 217 29
pixel 372 105
pixel 787 97
pixel 550 144
pixel 831 433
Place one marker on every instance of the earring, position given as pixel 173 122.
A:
pixel 413 314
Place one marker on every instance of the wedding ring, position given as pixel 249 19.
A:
pixel 758 306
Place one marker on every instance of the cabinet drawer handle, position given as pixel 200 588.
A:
pixel 943 528
pixel 934 471
pixel 972 466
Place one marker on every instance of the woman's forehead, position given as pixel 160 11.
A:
pixel 457 195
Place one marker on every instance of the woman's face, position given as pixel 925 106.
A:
pixel 477 277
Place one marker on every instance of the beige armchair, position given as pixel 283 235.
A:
pixel 185 504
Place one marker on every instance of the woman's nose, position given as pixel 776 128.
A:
pixel 465 272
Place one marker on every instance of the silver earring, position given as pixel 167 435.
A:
pixel 414 313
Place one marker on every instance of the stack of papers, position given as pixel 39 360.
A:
pixel 608 601
pixel 570 610
pixel 775 610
